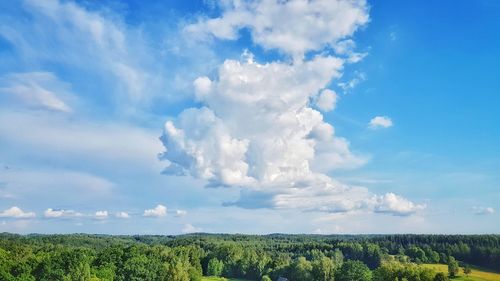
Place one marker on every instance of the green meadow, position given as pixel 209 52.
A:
pixel 213 278
pixel 477 274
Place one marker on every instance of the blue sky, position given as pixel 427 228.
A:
pixel 295 117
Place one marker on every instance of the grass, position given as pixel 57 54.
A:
pixel 213 278
pixel 477 274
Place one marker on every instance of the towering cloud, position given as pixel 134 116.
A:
pixel 257 128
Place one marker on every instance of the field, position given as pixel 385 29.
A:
pixel 476 275
pixel 212 278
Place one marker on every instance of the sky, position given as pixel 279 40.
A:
pixel 266 116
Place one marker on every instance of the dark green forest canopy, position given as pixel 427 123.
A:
pixel 252 257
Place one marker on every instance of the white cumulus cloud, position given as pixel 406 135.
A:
pixel 17 213
pixel 257 128
pixel 202 86
pixel 380 122
pixel 327 100
pixel 100 215
pixel 294 27
pixel 158 212
pixel 392 203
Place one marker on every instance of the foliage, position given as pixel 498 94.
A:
pixel 441 277
pixel 215 267
pixel 453 267
pixel 354 270
pixel 398 271
pixel 467 269
pixel 82 257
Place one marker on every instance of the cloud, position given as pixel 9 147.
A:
pixel 393 36
pixel 122 215
pixel 189 228
pixel 158 212
pixel 57 135
pixel 293 27
pixel 394 204
pixel 346 49
pixel 100 215
pixel 36 89
pixel 256 128
pixel 77 37
pixel 351 84
pixel 16 213
pixel 327 100
pixel 335 154
pixel 322 194
pixel 271 155
pixel 180 213
pixel 480 211
pixel 256 136
pixel 380 122
pixel 52 185
pixel 202 86
pixel 61 213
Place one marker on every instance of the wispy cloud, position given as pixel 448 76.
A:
pixel 86 43
pixel 481 211
pixel 111 141
pixel 61 213
pixel 189 228
pixel 37 89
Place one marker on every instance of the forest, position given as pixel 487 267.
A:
pixel 85 257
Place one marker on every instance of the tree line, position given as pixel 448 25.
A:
pixel 189 257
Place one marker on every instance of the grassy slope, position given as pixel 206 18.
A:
pixel 476 275
pixel 212 278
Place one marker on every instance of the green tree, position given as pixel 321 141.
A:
pixel 104 272
pixel 467 269
pixel 5 265
pixel 301 270
pixel 280 265
pixel 323 269
pixel 453 267
pixel 372 255
pixel 137 269
pixel 441 277
pixel 353 271
pixel 417 254
pixel 215 267
pixel 175 270
pixel 265 278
